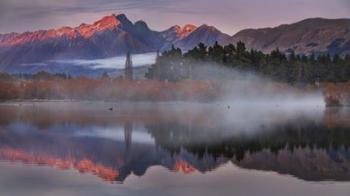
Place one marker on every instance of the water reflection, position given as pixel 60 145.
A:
pixel 309 143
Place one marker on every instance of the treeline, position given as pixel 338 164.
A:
pixel 174 65
pixel 42 75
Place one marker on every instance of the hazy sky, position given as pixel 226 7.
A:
pixel 229 16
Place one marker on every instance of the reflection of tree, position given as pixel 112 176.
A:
pixel 291 136
pixel 184 148
pixel 309 151
pixel 185 142
pixel 128 135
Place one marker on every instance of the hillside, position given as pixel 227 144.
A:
pixel 315 35
pixel 110 36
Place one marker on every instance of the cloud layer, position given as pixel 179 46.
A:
pixel 228 15
pixel 114 62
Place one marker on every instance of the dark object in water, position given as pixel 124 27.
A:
pixel 228 107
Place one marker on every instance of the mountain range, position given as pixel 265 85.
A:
pixel 310 36
pixel 115 35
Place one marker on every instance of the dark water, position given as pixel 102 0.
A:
pixel 84 148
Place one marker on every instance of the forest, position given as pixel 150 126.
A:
pixel 175 65
pixel 198 74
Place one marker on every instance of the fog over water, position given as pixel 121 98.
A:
pixel 156 148
pixel 232 118
pixel 258 137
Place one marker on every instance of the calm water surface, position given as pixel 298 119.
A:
pixel 84 148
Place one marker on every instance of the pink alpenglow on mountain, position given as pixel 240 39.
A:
pixel 115 35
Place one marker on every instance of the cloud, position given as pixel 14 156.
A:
pixel 41 8
pixel 112 63
pixel 43 14
pixel 228 15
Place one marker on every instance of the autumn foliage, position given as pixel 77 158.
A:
pixel 337 94
pixel 108 89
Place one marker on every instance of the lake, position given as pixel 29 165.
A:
pixel 101 148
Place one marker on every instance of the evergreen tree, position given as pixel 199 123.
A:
pixel 172 65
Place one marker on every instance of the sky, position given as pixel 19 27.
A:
pixel 229 16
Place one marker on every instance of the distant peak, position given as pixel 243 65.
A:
pixel 141 23
pixel 186 27
pixel 208 28
pixel 108 21
pixel 189 27
pixel 184 30
pixel 122 18
pixel 113 20
pixel 205 26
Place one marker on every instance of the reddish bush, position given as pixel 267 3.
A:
pixel 110 90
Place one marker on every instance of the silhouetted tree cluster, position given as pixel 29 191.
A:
pixel 290 136
pixel 42 75
pixel 173 65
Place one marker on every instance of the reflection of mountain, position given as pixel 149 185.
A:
pixel 82 166
pixel 116 145
pixel 111 160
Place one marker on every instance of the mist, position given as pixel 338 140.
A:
pixel 208 122
pixel 199 82
pixel 118 62
pixel 246 88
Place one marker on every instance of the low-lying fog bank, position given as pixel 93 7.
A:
pixel 92 68
pixel 206 83
pixel 232 117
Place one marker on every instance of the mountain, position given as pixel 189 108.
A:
pixel 203 34
pixel 115 35
pixel 315 35
pixel 111 36
pixel 175 34
pixel 189 36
